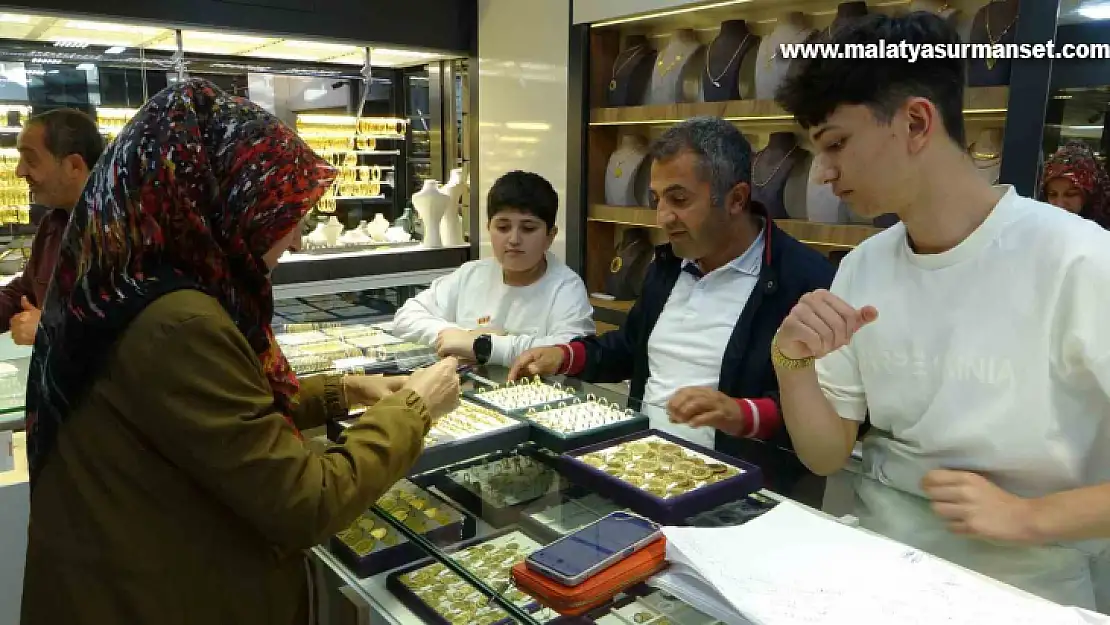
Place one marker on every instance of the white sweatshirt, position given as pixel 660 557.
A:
pixel 553 310
pixel 992 357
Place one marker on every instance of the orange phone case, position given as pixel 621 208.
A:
pixel 596 590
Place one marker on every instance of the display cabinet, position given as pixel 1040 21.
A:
pixel 634 75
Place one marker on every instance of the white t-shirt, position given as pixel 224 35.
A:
pixel 687 345
pixel 550 311
pixel 992 357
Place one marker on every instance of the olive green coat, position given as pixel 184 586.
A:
pixel 177 495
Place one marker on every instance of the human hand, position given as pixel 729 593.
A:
pixel 537 361
pixel 437 385
pixel 820 323
pixel 698 406
pixel 972 505
pixel 367 390
pixel 24 324
pixel 456 342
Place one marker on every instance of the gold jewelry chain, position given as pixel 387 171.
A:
pixel 991 39
pixel 775 171
pixel 631 52
pixel 708 53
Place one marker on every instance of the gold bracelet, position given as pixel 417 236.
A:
pixel 782 361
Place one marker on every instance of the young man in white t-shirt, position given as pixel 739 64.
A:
pixel 972 335
pixel 492 310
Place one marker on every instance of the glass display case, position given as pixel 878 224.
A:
pixel 517 466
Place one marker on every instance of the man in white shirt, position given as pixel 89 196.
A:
pixel 492 310
pixel 972 335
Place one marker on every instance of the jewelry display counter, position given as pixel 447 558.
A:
pixel 457 524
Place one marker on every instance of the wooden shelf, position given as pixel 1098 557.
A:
pixel 980 103
pixel 612 304
pixel 822 237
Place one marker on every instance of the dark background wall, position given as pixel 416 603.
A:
pixel 447 25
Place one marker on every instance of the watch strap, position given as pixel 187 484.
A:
pixel 781 361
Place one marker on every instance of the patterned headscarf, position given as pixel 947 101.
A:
pixel 1076 162
pixel 196 188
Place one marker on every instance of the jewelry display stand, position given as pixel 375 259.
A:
pixel 677 74
pixel 797 186
pixel 822 205
pixel 770 67
pixel 846 12
pixel 936 7
pixel 451 230
pixel 771 169
pixel 730 64
pixel 430 204
pixel 621 174
pixel 994 23
pixel 631 73
pixel 986 151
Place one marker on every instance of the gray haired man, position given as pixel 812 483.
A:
pixel 696 345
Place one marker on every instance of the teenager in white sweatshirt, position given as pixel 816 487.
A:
pixel 492 310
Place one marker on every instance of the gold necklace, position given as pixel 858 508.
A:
pixel 774 172
pixel 990 60
pixel 667 70
pixel 717 81
pixel 631 52
pixel 984 156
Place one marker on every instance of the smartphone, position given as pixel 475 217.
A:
pixel 576 557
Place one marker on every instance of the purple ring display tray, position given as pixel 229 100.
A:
pixel 673 510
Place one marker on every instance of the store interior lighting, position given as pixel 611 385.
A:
pixel 1095 10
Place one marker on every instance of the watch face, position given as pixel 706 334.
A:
pixel 482 348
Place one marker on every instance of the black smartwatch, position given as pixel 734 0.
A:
pixel 483 347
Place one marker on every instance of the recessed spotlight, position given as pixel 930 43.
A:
pixel 115 50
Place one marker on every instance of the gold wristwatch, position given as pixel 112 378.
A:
pixel 781 361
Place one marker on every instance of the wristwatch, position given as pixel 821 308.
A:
pixel 784 362
pixel 483 347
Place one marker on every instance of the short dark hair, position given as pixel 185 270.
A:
pixel 724 154
pixel 526 192
pixel 815 87
pixel 69 131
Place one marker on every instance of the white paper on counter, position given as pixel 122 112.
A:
pixel 791 566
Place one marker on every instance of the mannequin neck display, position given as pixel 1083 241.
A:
pixel 846 12
pixel 672 70
pixel 430 204
pixel 631 73
pixel 936 7
pixel 451 231
pixel 725 63
pixel 797 186
pixel 623 172
pixel 771 169
pixel 822 205
pixel 770 67
pixel 986 152
pixel 994 23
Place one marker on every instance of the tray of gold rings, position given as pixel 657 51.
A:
pixel 500 486
pixel 370 545
pixel 661 476
pixel 439 595
pixel 568 425
pixel 468 431
pixel 514 397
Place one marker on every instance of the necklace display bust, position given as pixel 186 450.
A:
pixel 631 73
pixel 771 169
pixel 676 76
pixel 430 204
pixel 846 12
pixel 450 229
pixel 994 23
pixel 626 172
pixel 936 7
pixel 986 151
pixel 822 205
pixel 770 67
pixel 730 63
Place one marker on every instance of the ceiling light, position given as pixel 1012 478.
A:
pixel 12 18
pixel 108 27
pixel 317 45
pixel 115 50
pixel 69 43
pixel 409 53
pixel 1095 10
pixel 228 37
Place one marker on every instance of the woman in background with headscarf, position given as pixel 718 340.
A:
pixel 1075 181
pixel 169 481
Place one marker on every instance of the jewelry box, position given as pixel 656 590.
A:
pixel 438 595
pixel 468 431
pixel 515 397
pixel 569 425
pixel 661 476
pixel 371 545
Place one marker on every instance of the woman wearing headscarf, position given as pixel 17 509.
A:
pixel 1075 181
pixel 169 482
